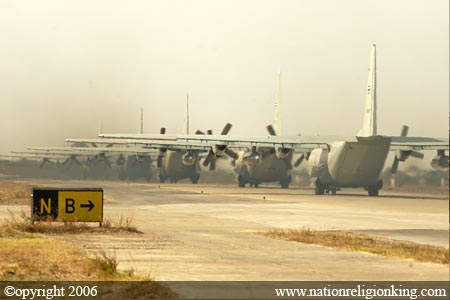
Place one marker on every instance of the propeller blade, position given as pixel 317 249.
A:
pixel 231 153
pixel 107 162
pixel 395 165
pixel 417 154
pixel 199 132
pixel 159 162
pixel 212 164
pixel 404 131
pixel 299 160
pixel 162 130
pixel 66 161
pixel 288 163
pixel 42 163
pixel 209 132
pixel 77 161
pixel 271 130
pixel 226 129
pixel 208 159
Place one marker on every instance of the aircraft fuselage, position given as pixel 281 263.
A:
pixel 349 164
pixel 174 169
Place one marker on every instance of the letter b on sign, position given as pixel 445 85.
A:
pixel 70 206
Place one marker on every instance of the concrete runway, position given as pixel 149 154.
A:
pixel 207 232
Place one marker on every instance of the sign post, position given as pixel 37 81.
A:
pixel 67 205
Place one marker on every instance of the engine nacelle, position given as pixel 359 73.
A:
pixel 440 162
pixel 219 150
pixel 251 158
pixel 282 153
pixel 188 159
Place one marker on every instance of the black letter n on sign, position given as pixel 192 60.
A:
pixel 45 204
pixel 70 206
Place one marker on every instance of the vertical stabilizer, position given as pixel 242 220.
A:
pixel 142 120
pixel 370 110
pixel 186 120
pixel 277 117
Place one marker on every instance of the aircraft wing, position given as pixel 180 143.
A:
pixel 170 144
pixel 418 143
pixel 300 143
pixel 94 150
pixel 303 143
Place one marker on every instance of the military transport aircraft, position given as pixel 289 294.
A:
pixel 267 164
pixel 136 164
pixel 175 163
pixel 334 162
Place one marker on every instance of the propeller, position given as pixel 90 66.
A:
pixel 280 152
pixel 210 159
pixel 299 160
pixel 45 160
pixel 402 155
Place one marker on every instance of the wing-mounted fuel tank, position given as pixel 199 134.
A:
pixel 440 161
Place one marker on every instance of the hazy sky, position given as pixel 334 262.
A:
pixel 65 65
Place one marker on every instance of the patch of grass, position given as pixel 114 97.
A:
pixel 41 258
pixel 28 255
pixel 14 192
pixel 22 224
pixel 365 243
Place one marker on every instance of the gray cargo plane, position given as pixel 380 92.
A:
pixel 334 162
pixel 175 163
pixel 267 164
pixel 136 164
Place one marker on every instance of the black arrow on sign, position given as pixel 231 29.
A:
pixel 90 205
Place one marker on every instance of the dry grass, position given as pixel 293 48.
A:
pixel 14 192
pixel 21 223
pixel 361 242
pixel 29 255
pixel 40 258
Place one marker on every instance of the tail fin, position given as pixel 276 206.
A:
pixel 186 120
pixel 370 110
pixel 277 117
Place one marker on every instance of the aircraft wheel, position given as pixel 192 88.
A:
pixel 285 183
pixel 320 189
pixel 195 178
pixel 241 181
pixel 373 191
pixel 162 178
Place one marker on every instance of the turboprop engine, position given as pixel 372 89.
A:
pixel 188 159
